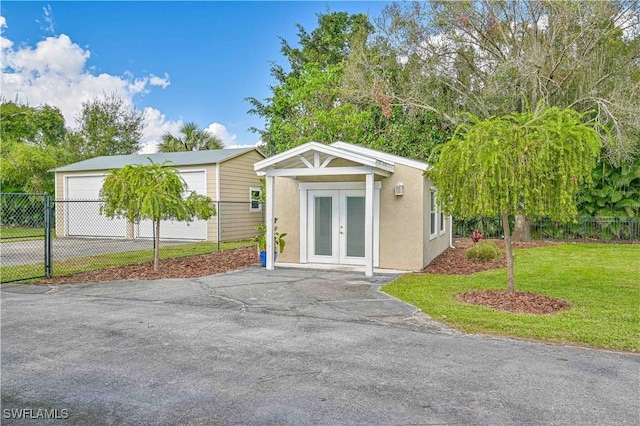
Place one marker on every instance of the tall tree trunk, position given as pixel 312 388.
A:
pixel 511 287
pixel 156 252
pixel 521 230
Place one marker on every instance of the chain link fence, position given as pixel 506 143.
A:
pixel 25 220
pixel 41 237
pixel 582 229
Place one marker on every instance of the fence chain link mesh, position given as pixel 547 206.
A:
pixel 582 229
pixel 83 239
pixel 40 237
pixel 23 236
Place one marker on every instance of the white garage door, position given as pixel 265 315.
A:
pixel 171 229
pixel 82 210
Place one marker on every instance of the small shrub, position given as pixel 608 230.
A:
pixel 484 251
pixel 476 236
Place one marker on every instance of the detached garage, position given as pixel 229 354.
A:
pixel 225 175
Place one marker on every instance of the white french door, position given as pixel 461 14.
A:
pixel 336 232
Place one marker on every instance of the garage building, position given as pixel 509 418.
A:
pixel 225 175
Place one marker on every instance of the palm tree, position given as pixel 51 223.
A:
pixel 192 139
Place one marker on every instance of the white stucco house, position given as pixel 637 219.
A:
pixel 343 204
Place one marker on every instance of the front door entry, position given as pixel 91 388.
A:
pixel 336 226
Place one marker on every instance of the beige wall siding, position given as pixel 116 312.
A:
pixel 237 222
pixel 237 175
pixel 401 220
pixel 433 247
pixel 287 210
pixel 404 221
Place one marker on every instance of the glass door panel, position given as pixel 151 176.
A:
pixel 323 212
pixel 322 232
pixel 355 226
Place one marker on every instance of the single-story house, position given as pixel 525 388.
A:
pixel 344 204
pixel 225 175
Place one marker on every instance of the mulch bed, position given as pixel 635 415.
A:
pixel 184 267
pixel 454 262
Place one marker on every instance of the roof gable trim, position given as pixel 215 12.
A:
pixel 331 151
pixel 383 155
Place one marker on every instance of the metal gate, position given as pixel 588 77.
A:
pixel 25 236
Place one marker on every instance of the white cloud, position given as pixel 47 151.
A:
pixel 49 24
pixel 55 72
pixel 157 125
pixel 257 144
pixel 163 82
pixel 4 42
pixel 220 131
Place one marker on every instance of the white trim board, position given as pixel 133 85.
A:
pixel 365 160
pixel 390 158
pixel 336 185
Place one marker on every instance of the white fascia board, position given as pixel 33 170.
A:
pixel 390 158
pixel 325 149
pixel 328 171
pixel 293 152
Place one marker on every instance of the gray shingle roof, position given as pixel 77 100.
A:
pixel 175 158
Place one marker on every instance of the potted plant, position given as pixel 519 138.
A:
pixel 261 241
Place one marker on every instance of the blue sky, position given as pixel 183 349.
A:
pixel 177 61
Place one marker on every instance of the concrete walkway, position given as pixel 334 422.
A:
pixel 287 347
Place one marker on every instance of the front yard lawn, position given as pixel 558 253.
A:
pixel 601 281
pixel 11 234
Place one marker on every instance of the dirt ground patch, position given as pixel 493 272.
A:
pixel 519 302
pixel 184 267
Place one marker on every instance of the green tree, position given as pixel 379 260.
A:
pixel 310 103
pixel 532 161
pixel 491 58
pixel 193 139
pixel 39 126
pixel 32 143
pixel 153 191
pixel 108 126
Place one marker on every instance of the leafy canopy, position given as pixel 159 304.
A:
pixel 193 139
pixel 153 191
pixel 531 162
pixel 491 58
pixel 108 126
pixel 310 103
pixel 33 142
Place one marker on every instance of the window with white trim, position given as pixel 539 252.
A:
pixel 442 219
pixel 434 214
pixel 255 193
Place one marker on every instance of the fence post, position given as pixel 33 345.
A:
pixel 48 252
pixel 218 223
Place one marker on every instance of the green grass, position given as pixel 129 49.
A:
pixel 91 263
pixel 10 234
pixel 601 281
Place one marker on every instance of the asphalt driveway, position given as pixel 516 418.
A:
pixel 287 347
